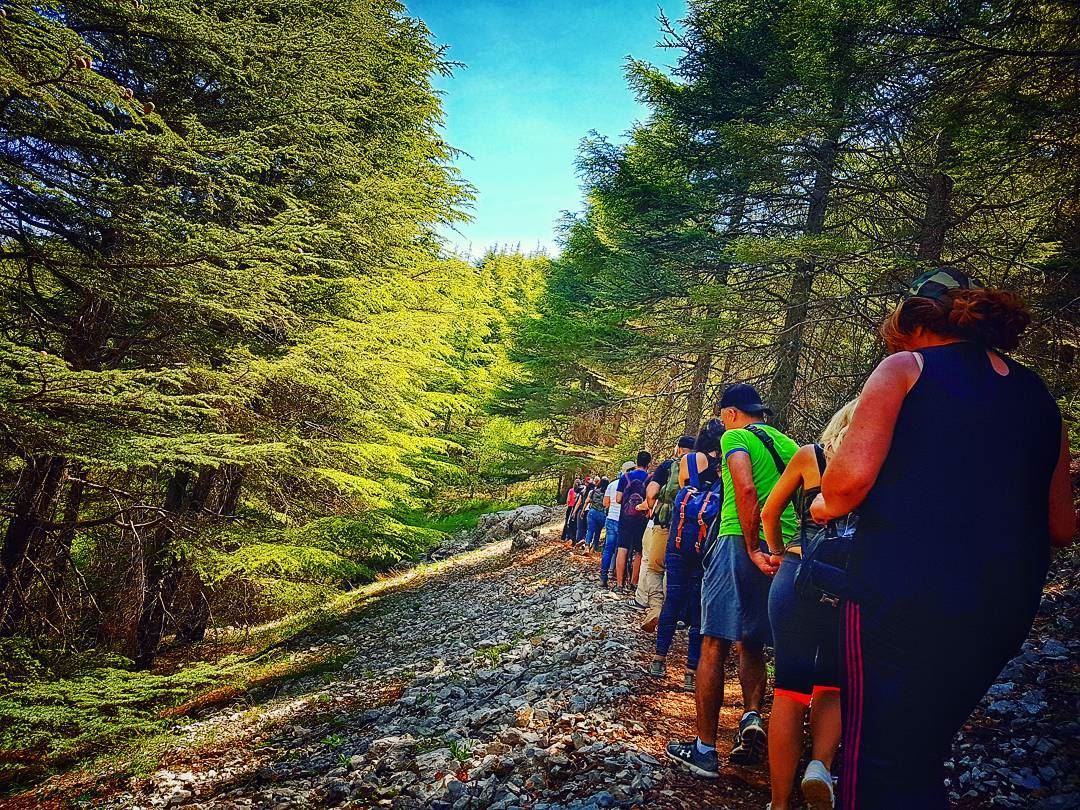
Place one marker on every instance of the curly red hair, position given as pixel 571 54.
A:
pixel 992 318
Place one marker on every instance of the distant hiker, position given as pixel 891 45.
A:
pixel 611 525
pixel 735 586
pixel 569 525
pixel 956 521
pixel 682 600
pixel 633 515
pixel 660 491
pixel 806 635
pixel 595 516
pixel 581 511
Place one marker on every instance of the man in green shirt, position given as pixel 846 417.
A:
pixel 735 587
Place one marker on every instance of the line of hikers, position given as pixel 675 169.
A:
pixel 894 566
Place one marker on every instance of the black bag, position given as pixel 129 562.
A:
pixel 822 574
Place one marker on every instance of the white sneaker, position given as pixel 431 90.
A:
pixel 817 787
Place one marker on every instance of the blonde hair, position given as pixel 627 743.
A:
pixel 833 435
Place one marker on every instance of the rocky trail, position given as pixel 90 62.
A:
pixel 507 679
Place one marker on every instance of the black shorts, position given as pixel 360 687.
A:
pixel 631 533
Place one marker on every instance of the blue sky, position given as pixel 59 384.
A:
pixel 539 75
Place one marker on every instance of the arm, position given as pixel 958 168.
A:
pixel 651 492
pixel 792 478
pixel 607 501
pixel 1062 510
pixel 852 472
pixel 746 497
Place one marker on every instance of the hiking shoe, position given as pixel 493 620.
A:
pixel 656 668
pixel 699 764
pixel 690 681
pixel 817 786
pixel 750 741
pixel 635 603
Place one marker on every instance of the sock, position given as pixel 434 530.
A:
pixel 702 748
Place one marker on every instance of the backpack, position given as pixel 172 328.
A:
pixel 596 500
pixel 694 510
pixel 665 499
pixel 632 497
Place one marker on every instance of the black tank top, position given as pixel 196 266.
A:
pixel 957 523
pixel 806 500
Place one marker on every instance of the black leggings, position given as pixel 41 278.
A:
pixel 908 686
pixel 806 638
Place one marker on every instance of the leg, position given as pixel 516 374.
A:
pixel 795 645
pixel 674 603
pixel 785 746
pixel 611 543
pixel 752 675
pixel 636 569
pixel 620 567
pixel 709 696
pixel 824 725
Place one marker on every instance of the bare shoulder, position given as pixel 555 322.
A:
pixel 902 368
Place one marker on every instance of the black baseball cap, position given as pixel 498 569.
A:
pixel 745 398
pixel 685 442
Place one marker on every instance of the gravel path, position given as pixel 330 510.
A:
pixel 509 680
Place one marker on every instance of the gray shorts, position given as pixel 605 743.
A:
pixel 734 594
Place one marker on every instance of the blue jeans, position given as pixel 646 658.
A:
pixel 596 526
pixel 582 524
pixel 682 602
pixel 610 546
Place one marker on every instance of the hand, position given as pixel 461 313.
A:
pixel 818 510
pixel 764 563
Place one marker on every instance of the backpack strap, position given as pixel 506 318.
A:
pixel 692 471
pixel 819 451
pixel 770 445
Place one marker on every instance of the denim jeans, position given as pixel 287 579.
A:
pixel 582 525
pixel 610 546
pixel 596 526
pixel 682 602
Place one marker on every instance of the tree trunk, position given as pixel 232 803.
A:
pixel 35 500
pixel 56 568
pixel 163 567
pixel 938 216
pixel 698 385
pixel 789 349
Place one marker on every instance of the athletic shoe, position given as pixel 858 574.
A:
pixel 750 741
pixel 699 764
pixel 635 603
pixel 817 786
pixel 690 682
pixel 656 668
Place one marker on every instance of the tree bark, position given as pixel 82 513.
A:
pixel 696 401
pixel 789 349
pixel 938 216
pixel 35 499
pixel 163 567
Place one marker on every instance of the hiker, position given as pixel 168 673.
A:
pixel 611 525
pixel 955 527
pixel 682 560
pixel 735 585
pixel 633 515
pixel 806 635
pixel 660 491
pixel 581 511
pixel 595 516
pixel 569 525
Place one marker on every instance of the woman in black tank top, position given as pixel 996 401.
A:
pixel 806 636
pixel 956 522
